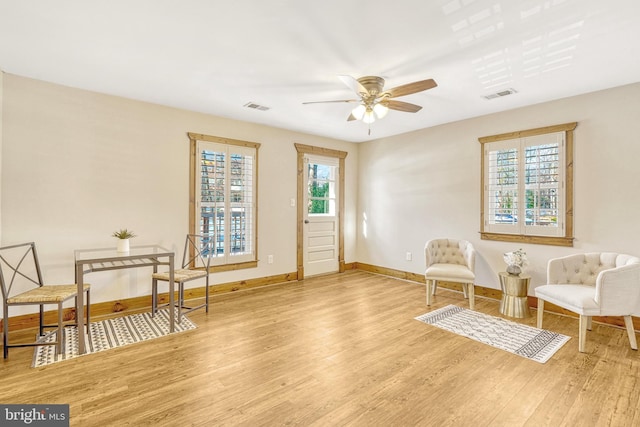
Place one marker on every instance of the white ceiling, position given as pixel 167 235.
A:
pixel 215 56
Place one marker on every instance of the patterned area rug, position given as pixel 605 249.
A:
pixel 110 333
pixel 526 341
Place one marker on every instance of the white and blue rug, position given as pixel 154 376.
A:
pixel 108 334
pixel 523 340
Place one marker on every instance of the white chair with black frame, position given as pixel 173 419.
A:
pixel 22 284
pixel 450 260
pixel 593 284
pixel 196 260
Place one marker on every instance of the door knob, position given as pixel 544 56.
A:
pixel 306 221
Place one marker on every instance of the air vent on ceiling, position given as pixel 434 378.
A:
pixel 500 94
pixel 256 106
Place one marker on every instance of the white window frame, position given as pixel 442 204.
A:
pixel 519 230
pixel 223 257
pixel 332 197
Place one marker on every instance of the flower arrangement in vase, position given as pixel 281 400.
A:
pixel 516 261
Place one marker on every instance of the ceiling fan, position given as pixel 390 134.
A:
pixel 374 101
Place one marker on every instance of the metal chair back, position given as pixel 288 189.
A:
pixel 19 264
pixel 198 249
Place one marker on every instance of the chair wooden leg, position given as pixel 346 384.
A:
pixel 429 295
pixel 434 285
pixel 540 312
pixel 472 296
pixel 628 322
pixel 582 334
pixel 465 290
pixel 589 323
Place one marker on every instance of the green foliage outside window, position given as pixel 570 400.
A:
pixel 319 193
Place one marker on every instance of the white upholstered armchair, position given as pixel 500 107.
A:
pixel 593 284
pixel 450 260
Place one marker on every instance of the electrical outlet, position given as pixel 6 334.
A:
pixel 292 202
pixel 270 259
pixel 408 256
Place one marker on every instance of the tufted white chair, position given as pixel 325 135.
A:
pixel 593 284
pixel 450 260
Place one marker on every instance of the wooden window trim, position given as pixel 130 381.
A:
pixel 568 238
pixel 194 162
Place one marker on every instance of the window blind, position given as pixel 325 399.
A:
pixel 523 185
pixel 227 200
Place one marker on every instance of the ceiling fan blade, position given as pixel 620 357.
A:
pixel 354 85
pixel 403 106
pixel 324 102
pixel 410 88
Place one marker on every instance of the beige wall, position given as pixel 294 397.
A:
pixel 1 133
pixel 425 184
pixel 78 165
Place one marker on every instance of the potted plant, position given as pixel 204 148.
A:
pixel 123 236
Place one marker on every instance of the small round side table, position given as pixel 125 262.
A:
pixel 514 295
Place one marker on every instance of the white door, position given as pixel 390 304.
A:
pixel 321 215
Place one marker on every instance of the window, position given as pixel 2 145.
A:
pixel 322 186
pixel 527 186
pixel 224 197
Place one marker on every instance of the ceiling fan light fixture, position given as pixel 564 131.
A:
pixel 380 109
pixel 359 111
pixel 374 102
pixel 369 116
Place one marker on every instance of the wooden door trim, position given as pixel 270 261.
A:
pixel 303 149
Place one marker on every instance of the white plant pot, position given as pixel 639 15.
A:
pixel 123 245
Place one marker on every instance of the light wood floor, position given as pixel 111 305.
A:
pixel 333 351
